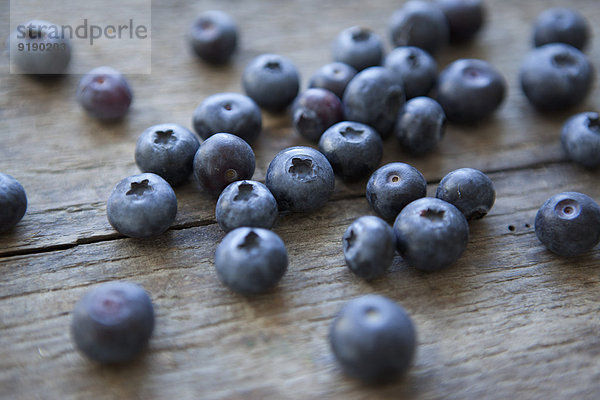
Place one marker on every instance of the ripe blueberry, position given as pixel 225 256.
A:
pixel 369 246
pixel 469 190
pixel 555 76
pixel 358 47
pixel 420 126
pixel 393 186
pixel 414 67
pixel 465 18
pixel 213 36
pixel 167 150
pixel 104 93
pixel 568 224
pixel 300 178
pixel 580 139
pixel 563 25
pixel 251 260
pixel 314 111
pixel 142 206
pixel 431 234
pixel 470 90
pixel 334 77
pixel 420 24
pixel 373 339
pixel 35 50
pixel 246 203
pixel 113 322
pixel 272 81
pixel 374 97
pixel 13 202
pixel 228 112
pixel 223 158
pixel 353 149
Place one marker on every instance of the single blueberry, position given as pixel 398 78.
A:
pixel 470 90
pixel 13 202
pixel 469 190
pixel 353 149
pixel 246 203
pixel 167 150
pixel 272 81
pixel 568 224
pixel 563 25
pixel 104 93
pixel 35 49
pixel 358 47
pixel 420 126
pixel 300 178
pixel 373 339
pixel 374 97
pixel 420 24
pixel 414 67
pixel 314 111
pixel 113 322
pixel 580 139
pixel 142 205
pixel 431 234
pixel 251 260
pixel 213 36
pixel 369 246
pixel 465 18
pixel 393 186
pixel 228 112
pixel 556 76
pixel 223 158
pixel 333 77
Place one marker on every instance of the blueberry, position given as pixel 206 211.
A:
pixel 414 67
pixel 470 90
pixel 167 150
pixel 580 138
pixel 469 190
pixel 568 224
pixel 373 339
pixel 246 203
pixel 228 112
pixel 465 18
pixel 272 81
pixel 251 260
pixel 374 97
pixel 420 24
pixel 38 34
pixel 141 206
pixel 223 158
pixel 369 247
pixel 213 36
pixel 353 149
pixel 563 25
pixel 420 126
pixel 314 111
pixel 104 93
pixel 300 178
pixel 13 202
pixel 556 76
pixel 358 47
pixel 113 322
pixel 393 186
pixel 334 77
pixel 431 234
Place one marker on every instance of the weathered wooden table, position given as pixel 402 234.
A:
pixel 508 321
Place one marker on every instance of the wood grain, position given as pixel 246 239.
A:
pixel 508 320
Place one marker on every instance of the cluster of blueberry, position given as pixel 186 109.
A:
pixel 351 105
